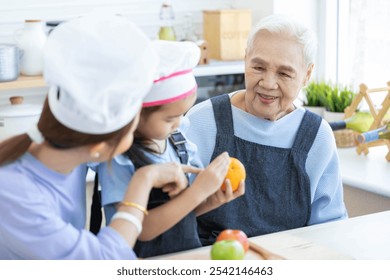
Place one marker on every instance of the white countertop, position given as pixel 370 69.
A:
pixel 369 172
pixel 361 238
pixel 216 67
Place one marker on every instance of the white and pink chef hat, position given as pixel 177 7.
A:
pixel 175 79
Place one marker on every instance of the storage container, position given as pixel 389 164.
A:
pixel 226 32
pixel 345 138
pixel 31 40
pixel 17 117
pixel 9 62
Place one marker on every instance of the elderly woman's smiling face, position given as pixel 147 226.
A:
pixel 275 72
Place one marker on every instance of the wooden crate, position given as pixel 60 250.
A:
pixel 226 32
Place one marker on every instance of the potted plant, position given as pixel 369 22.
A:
pixel 336 100
pixel 315 95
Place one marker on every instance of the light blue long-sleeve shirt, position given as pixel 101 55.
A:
pixel 43 216
pixel 322 164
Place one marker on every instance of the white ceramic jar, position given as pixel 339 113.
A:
pixel 31 40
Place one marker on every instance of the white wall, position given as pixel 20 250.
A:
pixel 260 8
pixel 301 10
pixel 145 13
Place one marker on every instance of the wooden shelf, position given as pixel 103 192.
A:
pixel 216 67
pixel 23 82
pixel 213 68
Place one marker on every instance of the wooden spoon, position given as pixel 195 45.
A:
pixel 265 254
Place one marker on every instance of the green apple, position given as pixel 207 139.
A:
pixel 227 250
pixel 234 234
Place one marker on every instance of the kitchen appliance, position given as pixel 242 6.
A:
pixel 213 85
pixel 17 117
pixel 10 56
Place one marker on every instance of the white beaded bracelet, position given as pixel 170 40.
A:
pixel 130 218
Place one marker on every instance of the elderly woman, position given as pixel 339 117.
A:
pixel 293 176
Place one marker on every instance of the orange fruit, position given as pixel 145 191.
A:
pixel 235 174
pixel 234 234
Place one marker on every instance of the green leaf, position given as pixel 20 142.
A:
pixel 334 98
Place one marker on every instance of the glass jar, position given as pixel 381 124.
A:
pixel 189 31
pixel 166 31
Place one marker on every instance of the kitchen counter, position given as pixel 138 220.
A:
pixel 216 67
pixel 363 238
pixel 23 82
pixel 369 172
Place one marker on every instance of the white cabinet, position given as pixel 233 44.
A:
pixel 366 180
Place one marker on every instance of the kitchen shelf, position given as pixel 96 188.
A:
pixel 215 67
pixel 23 82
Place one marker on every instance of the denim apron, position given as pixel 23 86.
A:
pixel 277 187
pixel 182 236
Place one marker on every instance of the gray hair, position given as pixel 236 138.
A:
pixel 282 23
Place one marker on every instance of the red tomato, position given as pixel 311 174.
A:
pixel 234 234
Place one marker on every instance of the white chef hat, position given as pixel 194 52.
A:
pixel 99 69
pixel 175 78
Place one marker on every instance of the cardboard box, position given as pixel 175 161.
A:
pixel 226 32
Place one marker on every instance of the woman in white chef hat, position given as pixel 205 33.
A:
pixel 99 69
pixel 158 140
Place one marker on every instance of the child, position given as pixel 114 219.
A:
pixel 171 224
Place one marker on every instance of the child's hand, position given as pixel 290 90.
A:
pixel 173 189
pixel 220 197
pixel 162 174
pixel 210 179
pixel 168 176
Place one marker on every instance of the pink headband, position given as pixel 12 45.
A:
pixel 171 88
